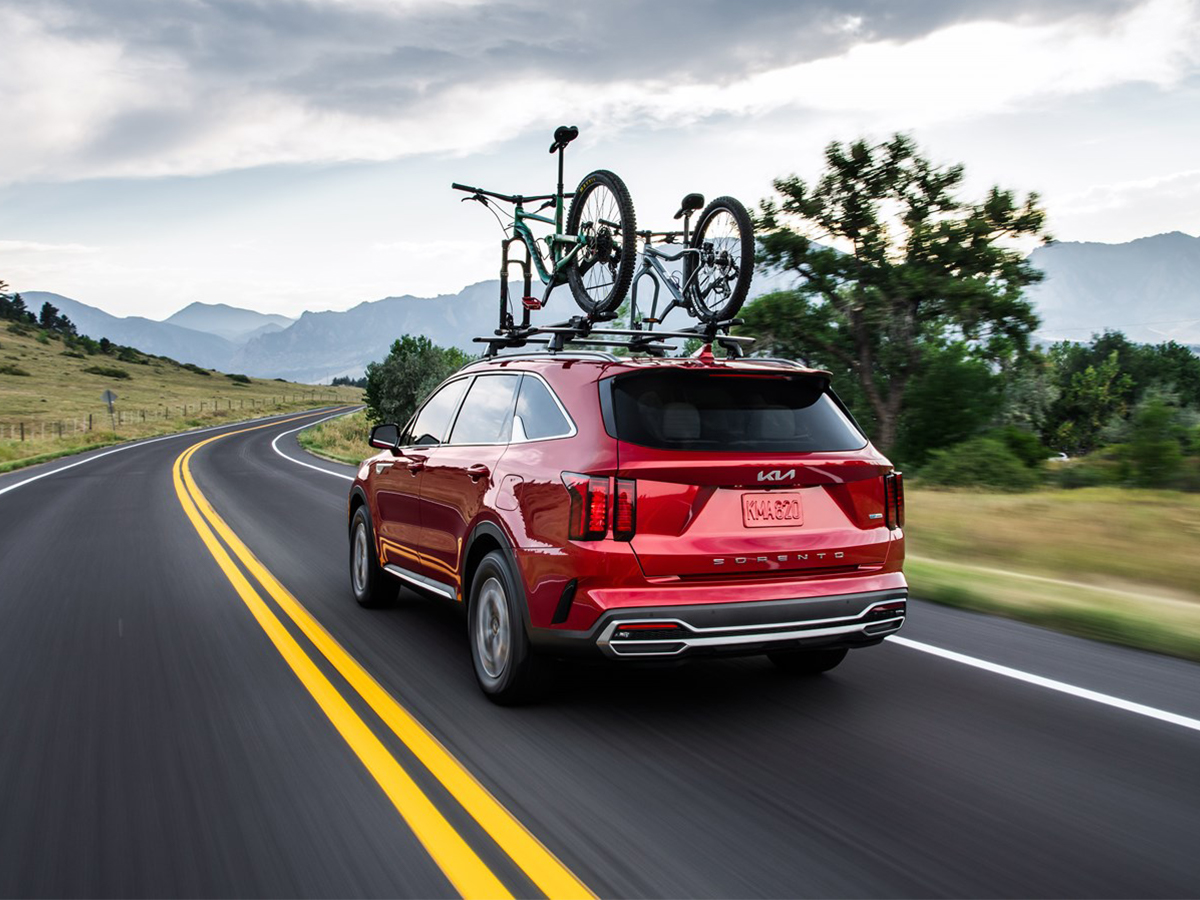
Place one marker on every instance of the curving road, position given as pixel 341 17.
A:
pixel 192 704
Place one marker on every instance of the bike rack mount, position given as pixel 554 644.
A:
pixel 583 330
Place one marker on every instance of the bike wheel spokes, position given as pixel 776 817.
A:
pixel 602 216
pixel 598 259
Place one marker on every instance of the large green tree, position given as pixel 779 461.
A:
pixel 894 263
pixel 413 368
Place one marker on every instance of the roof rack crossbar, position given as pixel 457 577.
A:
pixel 583 330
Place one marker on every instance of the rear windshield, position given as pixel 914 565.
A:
pixel 680 410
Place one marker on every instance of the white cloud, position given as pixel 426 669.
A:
pixel 95 108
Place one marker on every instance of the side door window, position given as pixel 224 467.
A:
pixel 539 415
pixel 432 423
pixel 487 412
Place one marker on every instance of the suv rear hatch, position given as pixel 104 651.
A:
pixel 746 473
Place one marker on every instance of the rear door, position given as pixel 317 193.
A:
pixel 744 473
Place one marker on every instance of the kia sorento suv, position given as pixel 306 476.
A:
pixel 635 509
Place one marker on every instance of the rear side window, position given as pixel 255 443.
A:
pixel 433 421
pixel 681 410
pixel 486 414
pixel 539 414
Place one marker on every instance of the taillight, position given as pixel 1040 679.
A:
pixel 625 510
pixel 893 500
pixel 590 507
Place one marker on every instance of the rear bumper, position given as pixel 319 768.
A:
pixel 734 629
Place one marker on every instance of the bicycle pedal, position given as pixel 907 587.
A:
pixel 531 302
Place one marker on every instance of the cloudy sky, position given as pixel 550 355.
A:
pixel 296 154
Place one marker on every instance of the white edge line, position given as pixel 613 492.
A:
pixel 132 445
pixel 1051 684
pixel 291 459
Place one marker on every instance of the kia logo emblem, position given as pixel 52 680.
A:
pixel 777 475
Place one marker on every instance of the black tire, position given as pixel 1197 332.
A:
pixel 602 271
pixel 807 662
pixel 718 278
pixel 372 587
pixel 506 667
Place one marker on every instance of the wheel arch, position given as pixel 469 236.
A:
pixel 484 538
pixel 358 497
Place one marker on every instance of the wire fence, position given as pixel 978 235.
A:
pixel 66 427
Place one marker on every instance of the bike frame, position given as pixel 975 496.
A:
pixel 652 267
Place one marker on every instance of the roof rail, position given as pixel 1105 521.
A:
pixel 564 354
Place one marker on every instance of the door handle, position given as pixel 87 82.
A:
pixel 477 471
pixel 415 463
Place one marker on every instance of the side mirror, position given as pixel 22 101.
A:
pixel 385 437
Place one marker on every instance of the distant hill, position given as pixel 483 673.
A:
pixel 160 338
pixel 229 322
pixel 1148 288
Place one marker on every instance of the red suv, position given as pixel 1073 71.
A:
pixel 635 509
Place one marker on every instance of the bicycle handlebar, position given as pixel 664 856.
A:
pixel 507 198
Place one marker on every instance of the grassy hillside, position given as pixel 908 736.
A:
pixel 1114 564
pixel 52 390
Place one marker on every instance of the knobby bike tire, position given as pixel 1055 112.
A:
pixel 613 249
pixel 704 273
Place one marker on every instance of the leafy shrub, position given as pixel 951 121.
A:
pixel 43 337
pixel 1080 475
pixel 1025 445
pixel 192 367
pixel 238 379
pixel 107 371
pixel 75 354
pixel 10 369
pixel 1155 453
pixel 980 462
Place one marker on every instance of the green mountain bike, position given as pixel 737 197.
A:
pixel 594 253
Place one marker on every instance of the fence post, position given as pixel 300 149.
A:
pixel 22 431
pixel 89 421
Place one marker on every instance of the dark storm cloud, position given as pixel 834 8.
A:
pixel 376 58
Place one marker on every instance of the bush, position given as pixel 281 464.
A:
pixel 10 369
pixel 238 379
pixel 192 367
pixel 980 462
pixel 75 354
pixel 1155 453
pixel 107 371
pixel 1025 445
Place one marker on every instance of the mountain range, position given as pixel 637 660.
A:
pixel 1149 288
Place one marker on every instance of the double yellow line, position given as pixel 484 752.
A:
pixel 470 876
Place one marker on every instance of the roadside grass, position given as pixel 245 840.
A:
pixel 343 439
pixel 55 399
pixel 1113 564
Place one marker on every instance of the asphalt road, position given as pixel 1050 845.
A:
pixel 156 741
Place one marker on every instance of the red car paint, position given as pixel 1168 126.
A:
pixel 438 508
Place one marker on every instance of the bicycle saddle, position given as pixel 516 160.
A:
pixel 563 135
pixel 690 203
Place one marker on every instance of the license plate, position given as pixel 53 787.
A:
pixel 773 508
